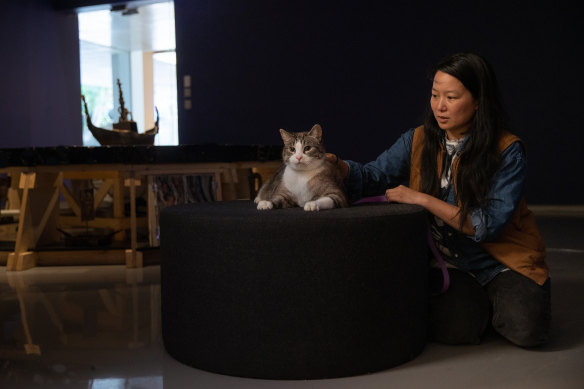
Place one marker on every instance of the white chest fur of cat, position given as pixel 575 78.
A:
pixel 296 181
pixel 306 179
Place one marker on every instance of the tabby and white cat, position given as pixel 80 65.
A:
pixel 307 179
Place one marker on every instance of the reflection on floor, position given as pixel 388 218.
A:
pixel 99 327
pixel 71 324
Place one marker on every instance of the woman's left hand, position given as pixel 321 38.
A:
pixel 447 212
pixel 403 194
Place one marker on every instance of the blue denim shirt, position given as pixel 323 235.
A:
pixel 392 168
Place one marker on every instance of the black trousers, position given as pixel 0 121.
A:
pixel 515 306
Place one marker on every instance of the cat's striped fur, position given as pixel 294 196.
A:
pixel 306 178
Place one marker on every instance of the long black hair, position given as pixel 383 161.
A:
pixel 480 158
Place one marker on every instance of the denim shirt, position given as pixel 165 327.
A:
pixel 392 168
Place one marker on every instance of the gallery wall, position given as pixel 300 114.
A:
pixel 39 75
pixel 357 68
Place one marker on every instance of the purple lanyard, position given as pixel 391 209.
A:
pixel 431 244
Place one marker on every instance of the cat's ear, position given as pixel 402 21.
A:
pixel 316 132
pixel 286 136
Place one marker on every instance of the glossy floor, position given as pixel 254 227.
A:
pixel 99 327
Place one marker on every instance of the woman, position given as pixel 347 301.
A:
pixel 469 173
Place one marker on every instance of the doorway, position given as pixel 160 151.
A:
pixel 135 45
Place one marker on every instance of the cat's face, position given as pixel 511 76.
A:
pixel 303 150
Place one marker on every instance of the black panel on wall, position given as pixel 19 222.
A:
pixel 63 5
pixel 40 94
pixel 359 69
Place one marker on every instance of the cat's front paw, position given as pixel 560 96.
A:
pixel 263 205
pixel 311 206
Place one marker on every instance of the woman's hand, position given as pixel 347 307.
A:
pixel 449 213
pixel 332 158
pixel 403 194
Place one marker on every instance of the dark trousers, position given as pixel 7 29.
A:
pixel 515 306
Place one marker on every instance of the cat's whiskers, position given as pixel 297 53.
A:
pixel 305 163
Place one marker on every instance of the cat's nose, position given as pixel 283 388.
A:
pixel 299 157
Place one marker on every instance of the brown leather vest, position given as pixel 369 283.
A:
pixel 520 246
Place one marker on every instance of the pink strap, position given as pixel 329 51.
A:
pixel 441 263
pixel 431 244
pixel 372 199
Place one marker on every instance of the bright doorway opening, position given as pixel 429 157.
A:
pixel 137 46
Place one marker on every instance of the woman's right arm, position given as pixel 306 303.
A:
pixel 389 169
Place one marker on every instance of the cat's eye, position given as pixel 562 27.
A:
pixel 307 148
pixel 292 150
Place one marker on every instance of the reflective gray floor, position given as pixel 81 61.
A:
pixel 99 327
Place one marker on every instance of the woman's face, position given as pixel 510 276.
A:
pixel 453 105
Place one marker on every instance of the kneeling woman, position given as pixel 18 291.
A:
pixel 469 173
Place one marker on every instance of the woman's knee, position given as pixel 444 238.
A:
pixel 521 309
pixel 461 315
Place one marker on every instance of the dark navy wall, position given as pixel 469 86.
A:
pixel 39 76
pixel 359 69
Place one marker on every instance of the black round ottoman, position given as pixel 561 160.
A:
pixel 290 294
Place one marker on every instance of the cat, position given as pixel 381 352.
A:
pixel 306 179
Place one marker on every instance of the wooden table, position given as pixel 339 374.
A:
pixel 38 187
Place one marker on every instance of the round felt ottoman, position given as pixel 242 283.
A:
pixel 290 294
